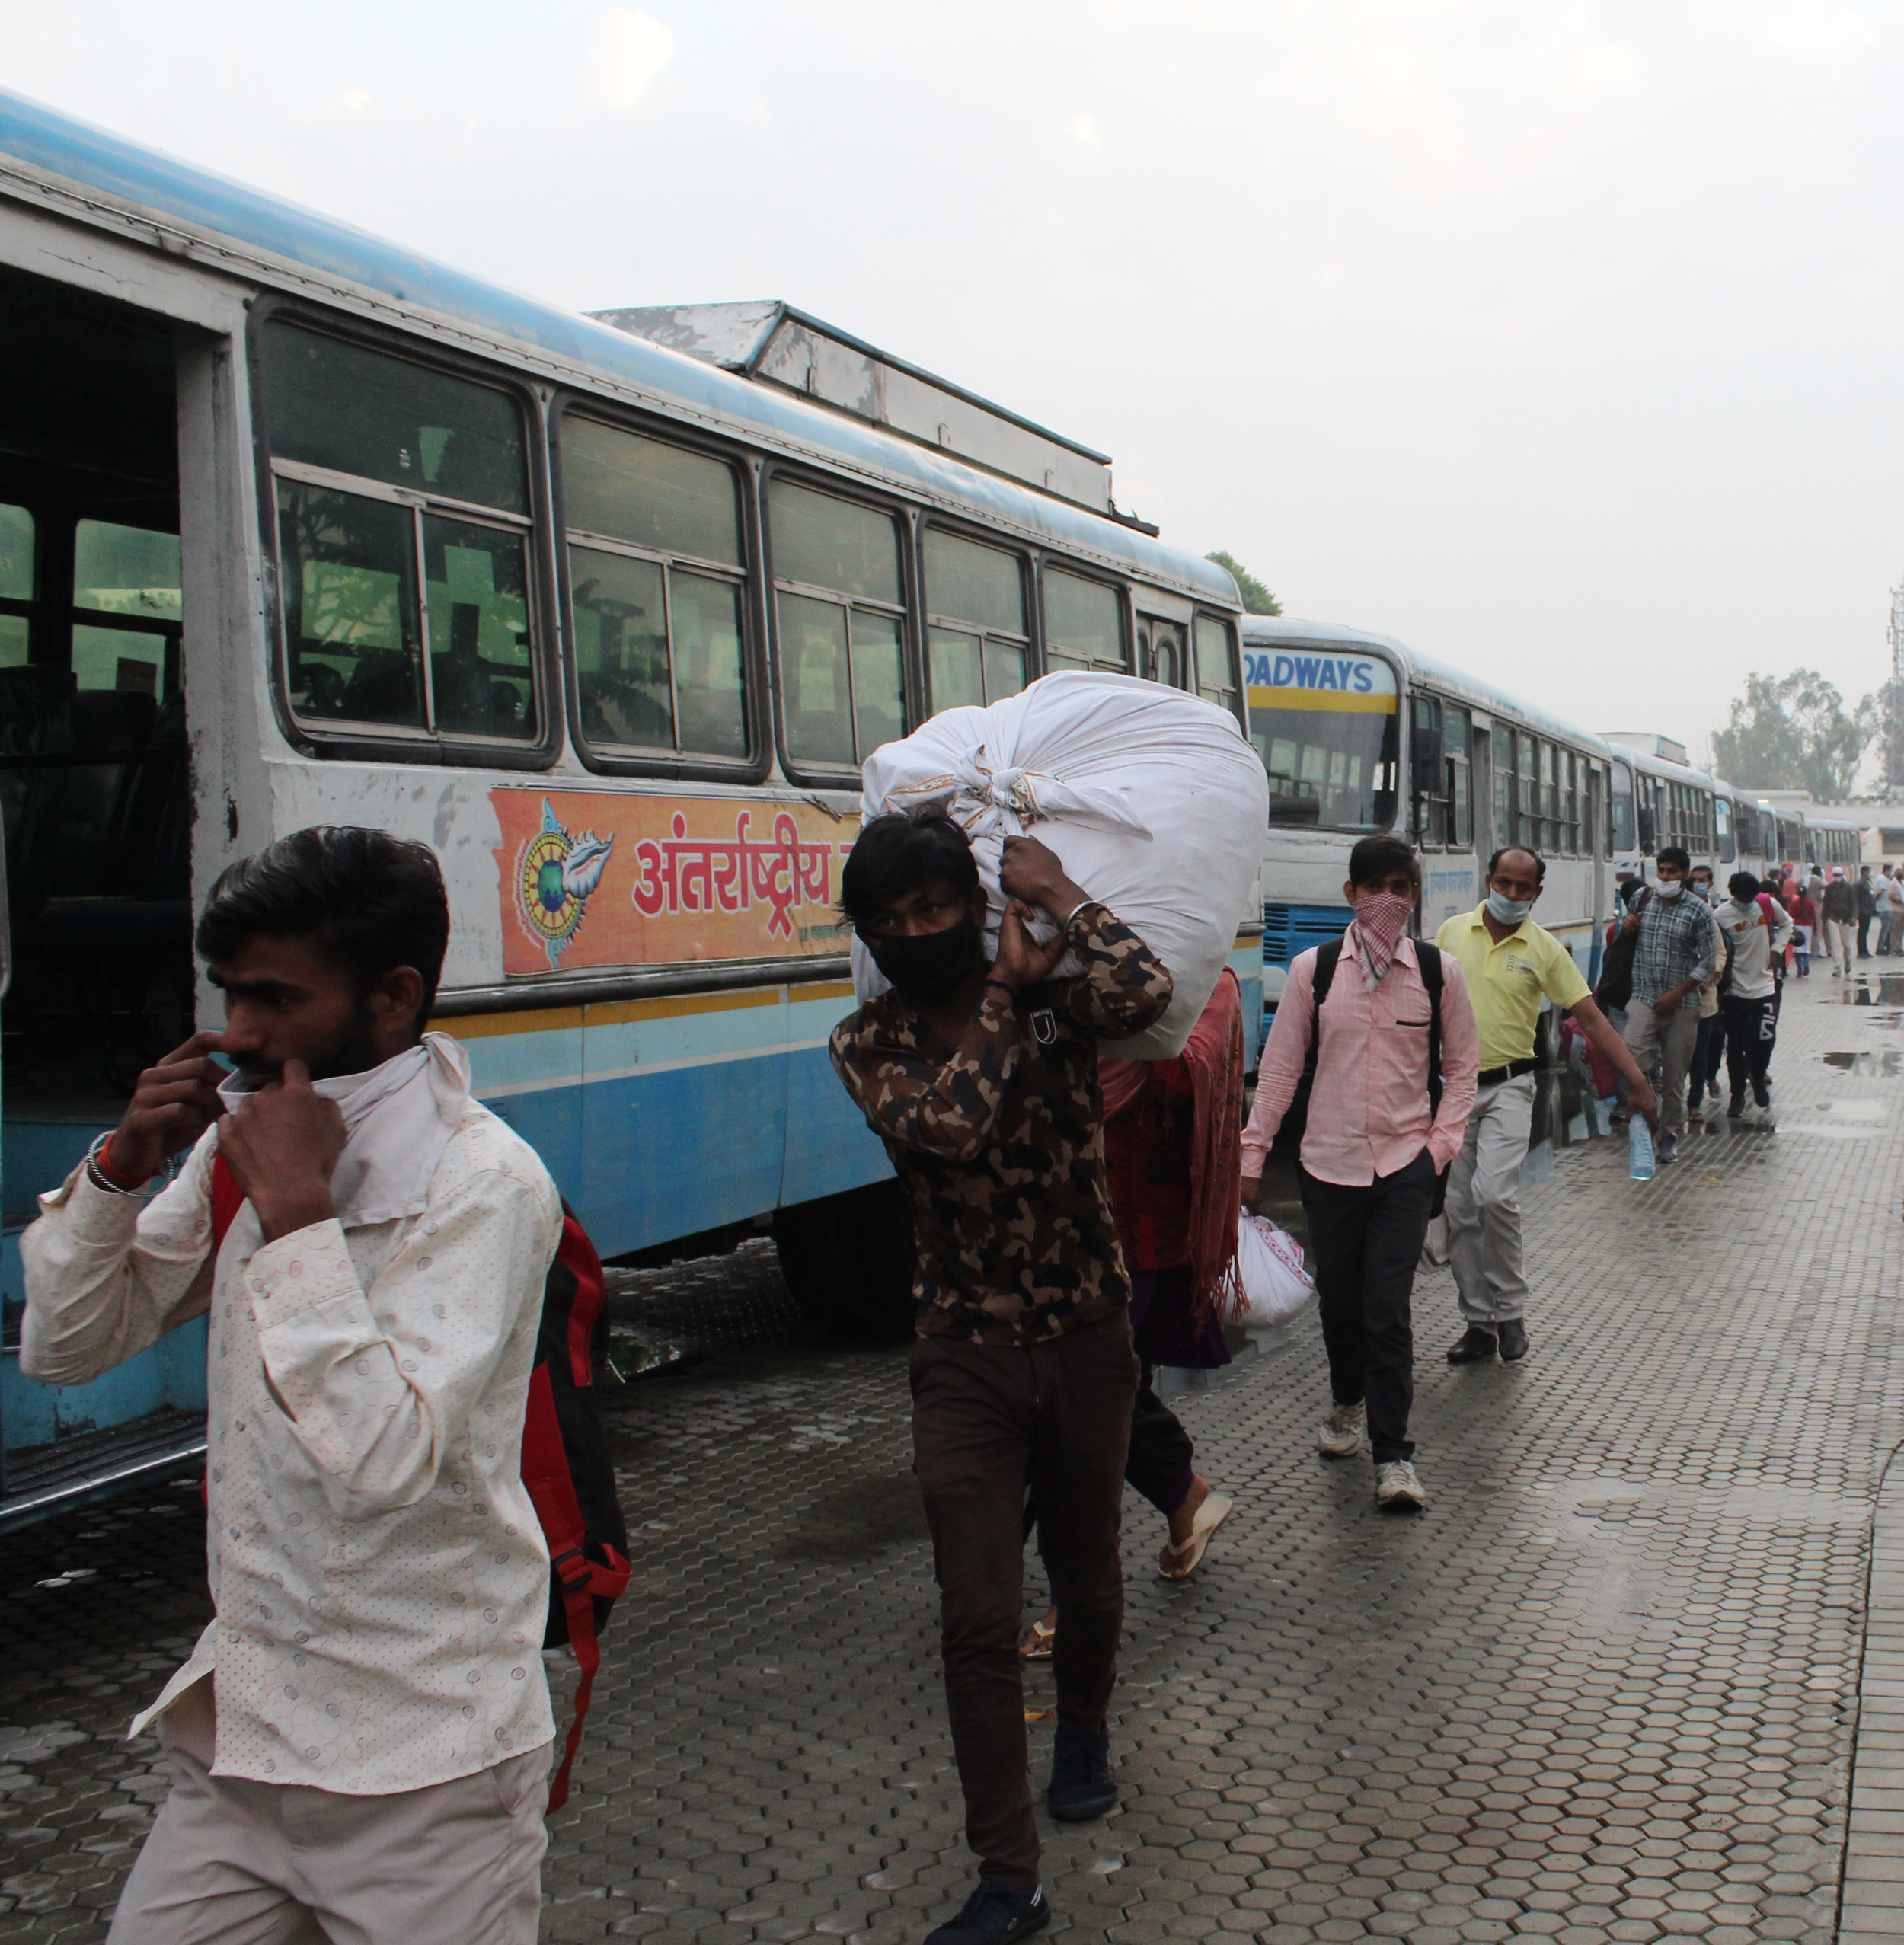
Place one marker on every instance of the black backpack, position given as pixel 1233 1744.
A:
pixel 1295 1118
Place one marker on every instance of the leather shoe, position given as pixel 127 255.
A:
pixel 1471 1346
pixel 1513 1340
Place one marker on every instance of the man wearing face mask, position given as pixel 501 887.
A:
pixel 1677 953
pixel 355 1754
pixel 1382 1127
pixel 1511 965
pixel 982 1080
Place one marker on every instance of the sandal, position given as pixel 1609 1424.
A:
pixel 1179 1562
pixel 1037 1645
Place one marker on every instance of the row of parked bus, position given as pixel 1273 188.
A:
pixel 1361 735
pixel 297 526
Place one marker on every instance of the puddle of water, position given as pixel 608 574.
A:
pixel 1889 1064
pixel 1888 990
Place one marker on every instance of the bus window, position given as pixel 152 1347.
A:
pixel 1595 835
pixel 1084 624
pixel 1622 833
pixel 1427 780
pixel 976 636
pixel 400 609
pixel 840 602
pixel 126 587
pixel 1503 833
pixel 1528 774
pixel 17 582
pixel 1457 731
pixel 1215 649
pixel 1569 774
pixel 658 640
pixel 1722 818
pixel 1325 724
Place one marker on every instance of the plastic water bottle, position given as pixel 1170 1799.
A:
pixel 1639 1149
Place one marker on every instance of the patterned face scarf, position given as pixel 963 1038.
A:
pixel 1380 920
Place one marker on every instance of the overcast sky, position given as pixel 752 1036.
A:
pixel 1563 341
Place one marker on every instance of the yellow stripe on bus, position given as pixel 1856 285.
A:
pixel 1345 700
pixel 611 1013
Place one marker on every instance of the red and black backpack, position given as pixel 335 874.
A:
pixel 567 1465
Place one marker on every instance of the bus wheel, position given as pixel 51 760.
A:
pixel 848 1259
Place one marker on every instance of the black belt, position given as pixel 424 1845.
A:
pixel 1492 1076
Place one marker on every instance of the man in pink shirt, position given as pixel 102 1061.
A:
pixel 1383 1126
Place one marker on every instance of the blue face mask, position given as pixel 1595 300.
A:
pixel 1509 910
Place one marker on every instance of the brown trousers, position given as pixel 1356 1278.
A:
pixel 234 1862
pixel 989 1424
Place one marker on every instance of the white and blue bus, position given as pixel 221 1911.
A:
pixel 1361 735
pixel 297 526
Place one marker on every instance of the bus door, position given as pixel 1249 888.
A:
pixel 95 798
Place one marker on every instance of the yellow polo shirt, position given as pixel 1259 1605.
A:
pixel 1507 981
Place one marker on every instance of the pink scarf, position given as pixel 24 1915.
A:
pixel 1381 918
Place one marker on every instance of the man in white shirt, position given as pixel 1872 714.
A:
pixel 372 1763
pixel 1757 931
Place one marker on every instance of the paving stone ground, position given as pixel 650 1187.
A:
pixel 1606 1689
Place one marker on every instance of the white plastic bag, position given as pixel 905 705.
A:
pixel 1270 1263
pixel 1151 797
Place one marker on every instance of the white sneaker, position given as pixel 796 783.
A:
pixel 1397 1490
pixel 1341 1434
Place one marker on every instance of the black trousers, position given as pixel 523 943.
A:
pixel 1366 1242
pixel 988 1422
pixel 1752 1032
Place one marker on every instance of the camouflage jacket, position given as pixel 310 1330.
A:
pixel 1003 1155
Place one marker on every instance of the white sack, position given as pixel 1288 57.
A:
pixel 1152 798
pixel 1270 1263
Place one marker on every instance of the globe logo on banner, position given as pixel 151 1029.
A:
pixel 557 873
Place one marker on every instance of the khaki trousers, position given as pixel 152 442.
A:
pixel 231 1862
pixel 1666 1044
pixel 1484 1204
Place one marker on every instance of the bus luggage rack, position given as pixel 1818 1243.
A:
pixel 44 1479
pixel 1290 929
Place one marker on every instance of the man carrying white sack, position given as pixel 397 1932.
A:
pixel 982 1080
pixel 373 1764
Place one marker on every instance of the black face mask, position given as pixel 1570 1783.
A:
pixel 928 966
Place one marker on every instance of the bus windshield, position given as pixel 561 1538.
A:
pixel 1324 724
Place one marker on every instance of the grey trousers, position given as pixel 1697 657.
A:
pixel 1666 1045
pixel 231 1862
pixel 1484 1205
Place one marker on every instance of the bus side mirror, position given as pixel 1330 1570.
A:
pixel 1649 829
pixel 1424 760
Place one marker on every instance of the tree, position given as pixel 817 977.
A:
pixel 1794 733
pixel 1257 599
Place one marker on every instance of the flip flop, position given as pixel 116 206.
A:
pixel 1187 1557
pixel 1037 1646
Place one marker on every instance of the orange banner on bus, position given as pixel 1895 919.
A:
pixel 592 878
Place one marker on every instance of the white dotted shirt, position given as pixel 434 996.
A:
pixel 378 1570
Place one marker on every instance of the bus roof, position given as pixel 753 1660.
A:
pixel 228 228
pixel 1260 629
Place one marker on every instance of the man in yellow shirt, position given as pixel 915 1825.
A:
pixel 1511 965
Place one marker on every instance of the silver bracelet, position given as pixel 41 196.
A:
pixel 1074 911
pixel 97 1176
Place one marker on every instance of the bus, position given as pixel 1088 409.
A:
pixel 1362 734
pixel 297 526
pixel 1660 798
pixel 1833 841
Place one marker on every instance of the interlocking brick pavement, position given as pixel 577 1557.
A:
pixel 1606 1689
